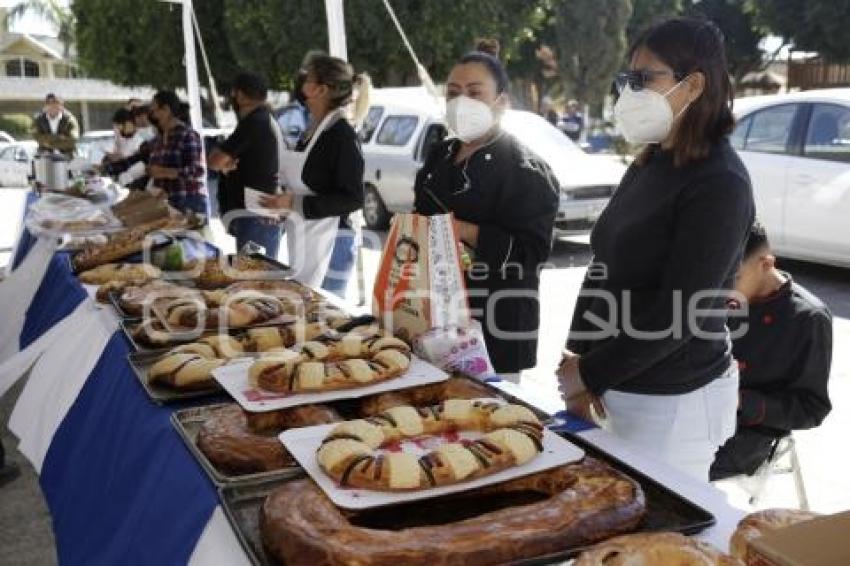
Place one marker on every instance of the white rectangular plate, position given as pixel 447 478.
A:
pixel 303 443
pixel 234 379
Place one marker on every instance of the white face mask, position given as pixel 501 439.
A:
pixel 468 118
pixel 645 116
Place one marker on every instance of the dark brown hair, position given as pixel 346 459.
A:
pixel 689 45
pixel 486 53
pixel 334 73
pixel 338 75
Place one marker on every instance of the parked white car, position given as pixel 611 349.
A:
pixel 16 163
pixel 404 123
pixel 797 150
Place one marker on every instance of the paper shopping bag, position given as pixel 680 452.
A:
pixel 420 284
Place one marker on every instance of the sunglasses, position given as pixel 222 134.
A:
pixel 638 79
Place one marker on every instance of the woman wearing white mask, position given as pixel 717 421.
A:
pixel 323 177
pixel 666 250
pixel 504 199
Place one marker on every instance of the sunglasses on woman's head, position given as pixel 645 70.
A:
pixel 639 78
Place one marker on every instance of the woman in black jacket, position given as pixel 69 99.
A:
pixel 323 177
pixel 504 199
pixel 666 250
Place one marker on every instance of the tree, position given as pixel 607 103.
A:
pixel 271 37
pixel 147 51
pixel 648 12
pixel 591 42
pixel 742 35
pixel 54 13
pixel 809 25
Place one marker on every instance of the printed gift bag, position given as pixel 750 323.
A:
pixel 420 285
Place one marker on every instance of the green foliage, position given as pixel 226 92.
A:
pixel 648 12
pixel 736 20
pixel 591 42
pixel 18 126
pixel 130 42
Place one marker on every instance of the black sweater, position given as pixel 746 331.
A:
pixel 668 234
pixel 512 196
pixel 334 171
pixel 784 356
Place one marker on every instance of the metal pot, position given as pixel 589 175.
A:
pixel 51 171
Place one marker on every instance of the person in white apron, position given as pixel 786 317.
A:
pixel 323 178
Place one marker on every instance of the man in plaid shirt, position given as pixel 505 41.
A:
pixel 173 158
pixel 175 163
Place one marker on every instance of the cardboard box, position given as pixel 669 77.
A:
pixel 824 541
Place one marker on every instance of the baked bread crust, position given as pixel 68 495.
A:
pixel 133 272
pixel 239 443
pixel 651 549
pixel 760 523
pixel 585 502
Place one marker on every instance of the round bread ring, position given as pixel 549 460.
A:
pixel 586 502
pixel 760 523
pixel 349 452
pixel 238 444
pixel 452 388
pixel 649 549
pixel 351 361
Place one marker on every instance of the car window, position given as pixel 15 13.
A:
pixel 7 154
pixel 828 136
pixel 433 135
pixel 397 130
pixel 771 129
pixel 291 118
pixel 370 123
pixel 739 134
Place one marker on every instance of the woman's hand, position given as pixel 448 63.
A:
pixel 586 406
pixel 281 202
pixel 569 380
pixel 575 395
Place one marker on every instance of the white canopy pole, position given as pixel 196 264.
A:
pixel 193 87
pixel 219 115
pixel 337 45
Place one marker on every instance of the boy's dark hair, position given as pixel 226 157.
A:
pixel 757 241
pixel 251 85
pixel 141 110
pixel 122 115
pixel 688 45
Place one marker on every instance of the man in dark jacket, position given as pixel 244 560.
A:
pixel 56 128
pixel 248 159
pixel 784 357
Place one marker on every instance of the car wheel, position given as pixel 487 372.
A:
pixel 374 212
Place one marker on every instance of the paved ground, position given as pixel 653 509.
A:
pixel 25 536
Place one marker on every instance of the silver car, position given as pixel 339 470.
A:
pixel 404 123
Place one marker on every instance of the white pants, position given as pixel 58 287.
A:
pixel 683 430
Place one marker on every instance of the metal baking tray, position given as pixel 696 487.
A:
pixel 187 423
pixel 161 394
pixel 666 510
